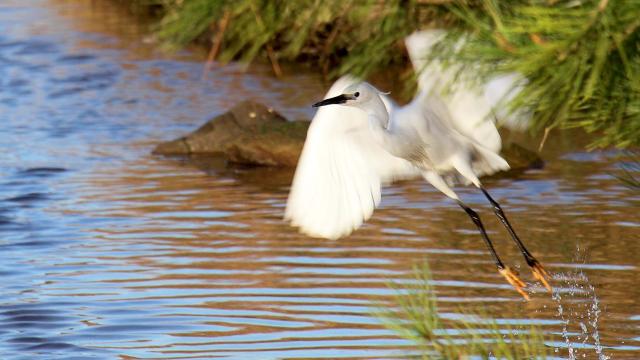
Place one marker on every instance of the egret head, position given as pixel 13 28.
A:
pixel 356 95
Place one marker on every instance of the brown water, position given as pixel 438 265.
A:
pixel 109 252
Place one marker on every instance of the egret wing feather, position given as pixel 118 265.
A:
pixel 499 91
pixel 337 184
pixel 468 111
pixel 472 110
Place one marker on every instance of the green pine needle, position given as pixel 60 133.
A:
pixel 413 315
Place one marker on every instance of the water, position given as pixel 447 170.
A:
pixel 108 252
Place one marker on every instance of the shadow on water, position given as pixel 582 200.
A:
pixel 110 252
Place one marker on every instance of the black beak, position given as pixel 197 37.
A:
pixel 340 99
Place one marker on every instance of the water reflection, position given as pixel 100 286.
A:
pixel 108 251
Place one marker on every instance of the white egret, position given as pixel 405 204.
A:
pixel 359 139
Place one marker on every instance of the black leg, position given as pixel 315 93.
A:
pixel 538 270
pixel 511 277
pixel 476 220
pixel 503 218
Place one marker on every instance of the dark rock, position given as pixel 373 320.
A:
pixel 520 158
pixel 251 133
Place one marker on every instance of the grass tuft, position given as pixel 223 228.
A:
pixel 469 334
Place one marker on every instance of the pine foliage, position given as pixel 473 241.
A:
pixel 631 170
pixel 325 32
pixel 580 58
pixel 467 335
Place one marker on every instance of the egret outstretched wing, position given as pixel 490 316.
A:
pixel 468 110
pixel 337 183
pixel 473 110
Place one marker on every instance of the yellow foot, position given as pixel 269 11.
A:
pixel 514 280
pixel 540 274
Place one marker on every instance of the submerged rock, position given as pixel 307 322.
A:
pixel 253 134
pixel 249 133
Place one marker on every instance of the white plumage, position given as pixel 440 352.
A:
pixel 341 169
pixel 359 140
pixel 473 109
pixel 337 183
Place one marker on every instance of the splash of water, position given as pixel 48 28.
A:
pixel 565 323
pixel 582 311
pixel 593 316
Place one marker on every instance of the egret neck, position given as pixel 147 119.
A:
pixel 379 122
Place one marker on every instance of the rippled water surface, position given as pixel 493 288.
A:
pixel 109 252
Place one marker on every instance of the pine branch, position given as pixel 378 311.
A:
pixel 580 60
